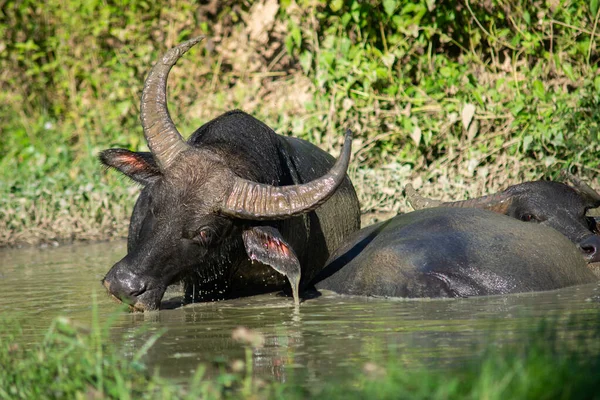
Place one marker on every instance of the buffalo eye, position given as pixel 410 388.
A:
pixel 528 218
pixel 203 236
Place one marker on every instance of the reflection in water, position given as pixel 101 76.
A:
pixel 323 338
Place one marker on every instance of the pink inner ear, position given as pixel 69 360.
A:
pixel 131 160
pixel 284 249
pixel 275 244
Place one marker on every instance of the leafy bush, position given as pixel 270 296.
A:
pixel 470 95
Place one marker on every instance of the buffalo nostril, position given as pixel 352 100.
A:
pixel 589 247
pixel 137 290
pixel 124 284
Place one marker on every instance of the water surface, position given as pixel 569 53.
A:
pixel 323 338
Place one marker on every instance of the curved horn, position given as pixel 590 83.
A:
pixel 164 140
pixel 257 201
pixel 583 188
pixel 497 202
pixel 418 202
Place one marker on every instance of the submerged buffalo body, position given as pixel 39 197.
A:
pixel 226 209
pixel 554 204
pixel 453 252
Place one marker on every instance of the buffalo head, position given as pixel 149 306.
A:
pixel 196 209
pixel 555 204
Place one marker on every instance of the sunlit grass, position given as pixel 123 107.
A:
pixel 560 359
pixel 459 100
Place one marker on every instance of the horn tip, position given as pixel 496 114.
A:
pixel 347 141
pixel 195 40
pixel 174 53
pixel 348 135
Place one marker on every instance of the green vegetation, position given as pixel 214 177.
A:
pixel 466 96
pixel 560 359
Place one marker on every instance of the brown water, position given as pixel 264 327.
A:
pixel 323 338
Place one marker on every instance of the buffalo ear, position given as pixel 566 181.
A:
pixel 266 245
pixel 139 166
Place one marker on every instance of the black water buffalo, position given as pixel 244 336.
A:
pixel 554 204
pixel 234 193
pixel 453 252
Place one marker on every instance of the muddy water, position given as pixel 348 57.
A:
pixel 323 338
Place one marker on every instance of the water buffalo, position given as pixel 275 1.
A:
pixel 555 204
pixel 233 194
pixel 453 252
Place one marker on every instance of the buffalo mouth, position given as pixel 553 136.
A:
pixel 148 300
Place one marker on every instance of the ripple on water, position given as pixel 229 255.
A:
pixel 324 337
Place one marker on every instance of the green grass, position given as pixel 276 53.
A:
pixel 557 360
pixel 462 98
